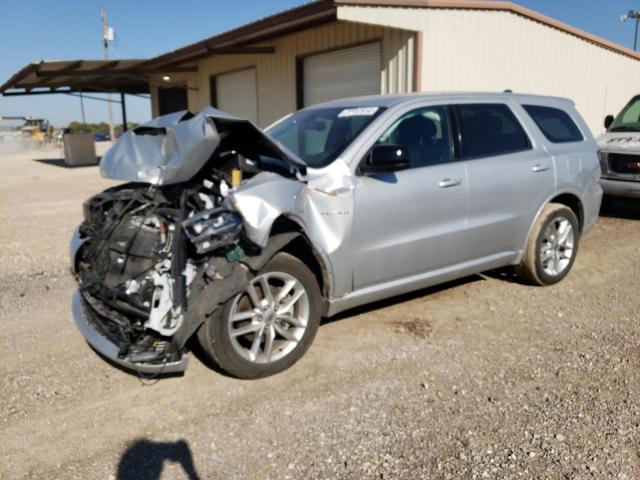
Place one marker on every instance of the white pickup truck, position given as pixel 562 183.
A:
pixel 619 152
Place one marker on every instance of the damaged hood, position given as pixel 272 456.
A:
pixel 173 148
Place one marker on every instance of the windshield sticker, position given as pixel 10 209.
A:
pixel 358 112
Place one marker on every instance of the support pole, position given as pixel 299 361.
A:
pixel 635 38
pixel 84 119
pixel 123 105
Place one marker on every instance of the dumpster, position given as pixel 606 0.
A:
pixel 79 149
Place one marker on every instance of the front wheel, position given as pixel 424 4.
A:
pixel 552 246
pixel 268 327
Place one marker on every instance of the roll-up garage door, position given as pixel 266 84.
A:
pixel 236 94
pixel 348 72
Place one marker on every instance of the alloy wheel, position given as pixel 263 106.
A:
pixel 557 246
pixel 269 318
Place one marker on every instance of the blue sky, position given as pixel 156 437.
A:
pixel 31 30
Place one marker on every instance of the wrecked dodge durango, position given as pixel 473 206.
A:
pixel 245 239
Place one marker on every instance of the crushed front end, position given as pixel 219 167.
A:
pixel 139 255
pixel 154 257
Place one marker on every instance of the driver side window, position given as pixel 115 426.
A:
pixel 425 133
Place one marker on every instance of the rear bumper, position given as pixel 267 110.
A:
pixel 620 188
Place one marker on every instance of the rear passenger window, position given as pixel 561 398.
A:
pixel 555 124
pixel 490 129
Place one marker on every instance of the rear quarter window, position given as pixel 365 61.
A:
pixel 490 129
pixel 554 123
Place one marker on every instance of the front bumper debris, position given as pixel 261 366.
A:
pixel 89 326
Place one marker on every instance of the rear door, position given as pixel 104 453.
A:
pixel 509 177
pixel 411 221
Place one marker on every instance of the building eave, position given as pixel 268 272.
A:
pixel 497 5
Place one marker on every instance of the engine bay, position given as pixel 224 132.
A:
pixel 145 247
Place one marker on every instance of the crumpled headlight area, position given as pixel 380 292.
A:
pixel 212 229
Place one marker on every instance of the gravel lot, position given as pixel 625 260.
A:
pixel 482 378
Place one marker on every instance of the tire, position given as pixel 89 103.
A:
pixel 537 270
pixel 234 353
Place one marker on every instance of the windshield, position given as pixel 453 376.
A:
pixel 319 135
pixel 628 120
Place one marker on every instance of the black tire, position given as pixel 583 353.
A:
pixel 531 269
pixel 215 339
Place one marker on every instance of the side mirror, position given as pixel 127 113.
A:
pixel 608 120
pixel 385 158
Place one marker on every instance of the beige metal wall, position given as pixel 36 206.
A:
pixel 496 50
pixel 276 73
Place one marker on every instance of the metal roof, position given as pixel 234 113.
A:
pixel 98 76
pixel 322 11
pixel 406 98
pixel 132 76
pixel 238 39
pixel 499 5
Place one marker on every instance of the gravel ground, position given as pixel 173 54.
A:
pixel 480 378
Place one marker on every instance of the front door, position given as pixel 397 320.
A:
pixel 411 221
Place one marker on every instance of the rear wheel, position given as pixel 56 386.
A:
pixel 268 327
pixel 552 246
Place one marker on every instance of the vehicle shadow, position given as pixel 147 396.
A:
pixel 625 208
pixel 194 346
pixel 59 162
pixel 405 297
pixel 144 460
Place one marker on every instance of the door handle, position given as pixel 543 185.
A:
pixel 538 167
pixel 449 182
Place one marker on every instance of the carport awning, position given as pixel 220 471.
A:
pixel 97 76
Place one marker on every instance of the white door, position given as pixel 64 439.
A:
pixel 236 94
pixel 348 72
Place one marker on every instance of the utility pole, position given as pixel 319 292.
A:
pixel 84 119
pixel 632 15
pixel 107 35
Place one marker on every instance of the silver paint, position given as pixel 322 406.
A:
pixel 173 148
pixel 382 236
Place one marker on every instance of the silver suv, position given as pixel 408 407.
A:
pixel 246 240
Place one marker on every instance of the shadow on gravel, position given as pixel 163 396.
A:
pixel 401 298
pixel 626 208
pixel 59 162
pixel 195 349
pixel 144 460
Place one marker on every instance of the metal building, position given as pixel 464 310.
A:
pixel 335 48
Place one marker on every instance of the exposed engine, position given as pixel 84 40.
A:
pixel 146 246
pixel 155 257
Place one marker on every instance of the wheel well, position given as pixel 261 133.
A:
pixel 301 248
pixel 573 203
